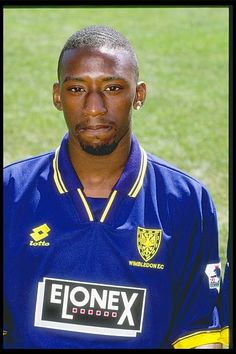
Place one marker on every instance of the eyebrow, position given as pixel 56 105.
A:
pixel 110 78
pixel 73 78
pixel 80 79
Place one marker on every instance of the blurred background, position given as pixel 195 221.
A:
pixel 183 58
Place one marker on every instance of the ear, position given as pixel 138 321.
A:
pixel 57 97
pixel 140 95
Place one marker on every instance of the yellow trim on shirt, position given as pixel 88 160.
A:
pixel 57 175
pixel 108 206
pixel 90 215
pixel 224 336
pixel 139 181
pixel 197 339
pixel 139 174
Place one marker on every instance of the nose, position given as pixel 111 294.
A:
pixel 94 104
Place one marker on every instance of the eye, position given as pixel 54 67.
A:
pixel 113 88
pixel 76 89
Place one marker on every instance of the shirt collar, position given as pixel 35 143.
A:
pixel 130 182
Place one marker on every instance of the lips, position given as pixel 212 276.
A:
pixel 97 127
pixel 94 126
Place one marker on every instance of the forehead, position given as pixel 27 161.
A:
pixel 95 62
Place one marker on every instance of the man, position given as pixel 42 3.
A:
pixel 106 246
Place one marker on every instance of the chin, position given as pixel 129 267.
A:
pixel 99 149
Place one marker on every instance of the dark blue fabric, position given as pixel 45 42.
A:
pixel 171 205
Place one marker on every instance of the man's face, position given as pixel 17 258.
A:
pixel 97 91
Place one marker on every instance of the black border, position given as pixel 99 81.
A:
pixel 122 3
pixel 165 3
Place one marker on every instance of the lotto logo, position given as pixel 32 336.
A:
pixel 89 307
pixel 38 234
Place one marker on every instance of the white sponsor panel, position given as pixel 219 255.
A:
pixel 89 307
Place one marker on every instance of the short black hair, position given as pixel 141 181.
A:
pixel 97 36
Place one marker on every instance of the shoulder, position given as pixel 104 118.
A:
pixel 174 182
pixel 171 172
pixel 24 171
pixel 33 161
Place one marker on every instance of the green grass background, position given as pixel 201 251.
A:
pixel 183 58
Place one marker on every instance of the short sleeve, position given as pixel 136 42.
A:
pixel 196 275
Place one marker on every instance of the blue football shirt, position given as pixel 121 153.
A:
pixel 138 270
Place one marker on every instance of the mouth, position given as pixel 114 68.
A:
pixel 95 129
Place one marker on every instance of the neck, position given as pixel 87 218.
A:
pixel 98 174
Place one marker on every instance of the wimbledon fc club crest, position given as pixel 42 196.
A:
pixel 148 242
